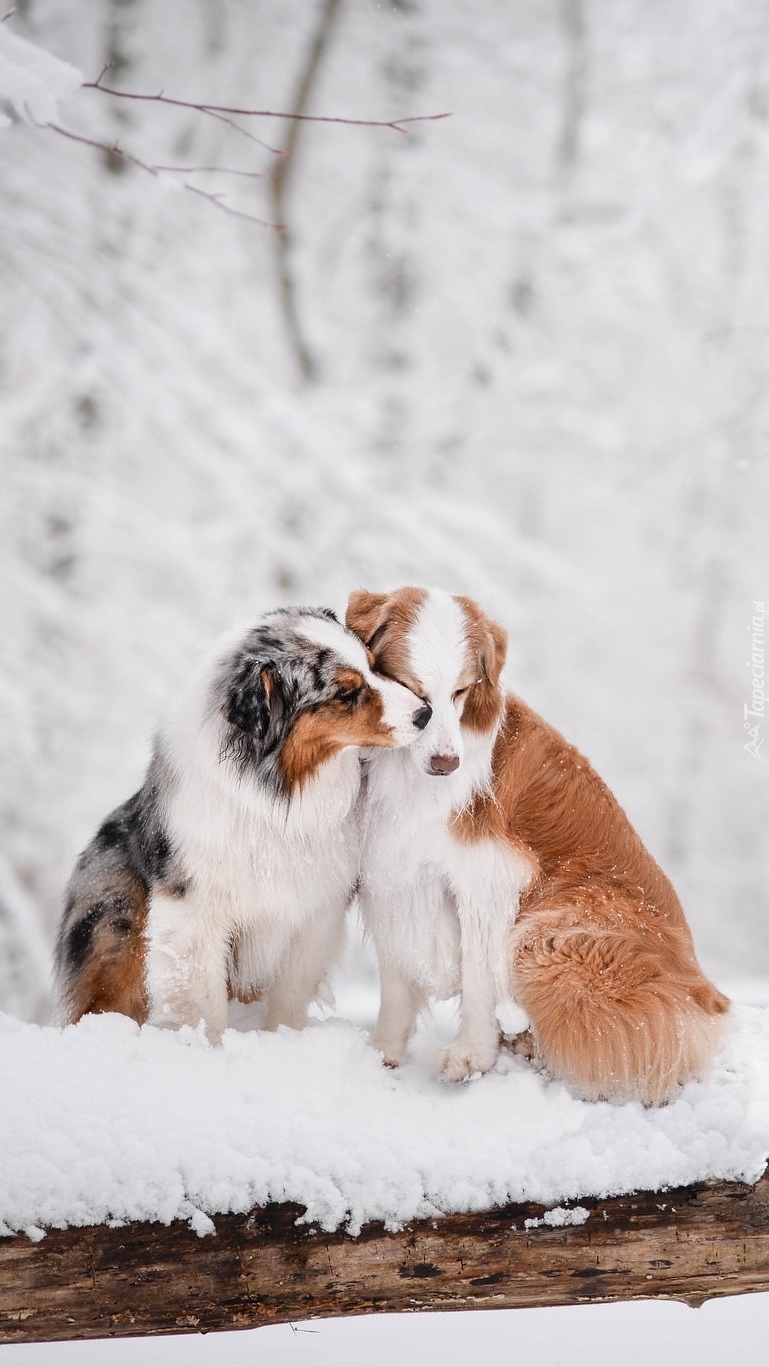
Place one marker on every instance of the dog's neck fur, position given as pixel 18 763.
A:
pixel 392 777
pixel 224 796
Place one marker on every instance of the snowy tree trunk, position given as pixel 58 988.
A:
pixel 690 1244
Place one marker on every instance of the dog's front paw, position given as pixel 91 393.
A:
pixel 392 1055
pixel 463 1060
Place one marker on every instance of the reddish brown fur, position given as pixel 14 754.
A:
pixel 602 957
pixel 487 649
pixel 388 617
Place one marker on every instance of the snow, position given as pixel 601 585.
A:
pixel 126 1123
pixel 559 1216
pixel 33 82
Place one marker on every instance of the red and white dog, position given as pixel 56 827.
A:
pixel 496 864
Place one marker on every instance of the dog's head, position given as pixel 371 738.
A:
pixel 300 687
pixel 447 652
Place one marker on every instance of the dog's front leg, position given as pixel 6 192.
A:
pixel 311 954
pixel 399 1006
pixel 476 1046
pixel 186 967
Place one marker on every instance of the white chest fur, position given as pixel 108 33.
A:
pixel 267 883
pixel 429 898
pixel 254 856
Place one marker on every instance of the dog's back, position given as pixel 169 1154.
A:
pixel 603 961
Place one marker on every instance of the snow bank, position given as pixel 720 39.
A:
pixel 104 1121
pixel 33 82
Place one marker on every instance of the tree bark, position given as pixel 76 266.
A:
pixel 690 1244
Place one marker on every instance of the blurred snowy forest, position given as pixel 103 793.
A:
pixel 520 353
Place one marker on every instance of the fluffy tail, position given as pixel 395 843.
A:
pixel 612 1014
pixel 99 962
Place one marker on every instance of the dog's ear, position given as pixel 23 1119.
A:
pixel 256 701
pixel 494 652
pixel 489 642
pixel 367 616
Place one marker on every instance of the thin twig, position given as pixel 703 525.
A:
pixel 112 149
pixel 115 150
pixel 225 114
pixel 220 170
pixel 235 213
pixel 214 114
pixel 244 132
pixel 398 125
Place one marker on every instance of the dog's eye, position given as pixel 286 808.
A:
pixel 410 684
pixel 460 694
pixel 348 694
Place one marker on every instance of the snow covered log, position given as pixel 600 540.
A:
pixel 690 1244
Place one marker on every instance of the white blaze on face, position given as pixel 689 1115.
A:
pixel 400 708
pixel 438 652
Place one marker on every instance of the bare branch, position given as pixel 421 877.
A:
pixel 398 125
pixel 214 114
pixel 114 149
pixel 225 114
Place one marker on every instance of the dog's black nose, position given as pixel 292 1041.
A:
pixel 422 716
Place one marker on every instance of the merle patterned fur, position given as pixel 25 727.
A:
pixel 107 893
pixel 272 677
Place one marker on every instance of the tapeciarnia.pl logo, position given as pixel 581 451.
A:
pixel 754 711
